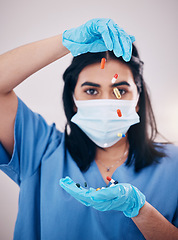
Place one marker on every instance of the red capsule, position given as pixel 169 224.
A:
pixel 119 113
pixel 114 78
pixel 103 60
pixel 108 178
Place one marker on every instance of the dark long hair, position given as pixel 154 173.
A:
pixel 143 151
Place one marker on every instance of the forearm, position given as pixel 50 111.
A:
pixel 153 225
pixel 18 64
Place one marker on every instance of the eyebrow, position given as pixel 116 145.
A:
pixel 98 85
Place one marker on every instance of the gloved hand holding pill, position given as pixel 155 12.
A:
pixel 99 35
pixel 121 197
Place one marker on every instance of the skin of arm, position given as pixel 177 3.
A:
pixel 18 64
pixel 153 225
pixel 15 66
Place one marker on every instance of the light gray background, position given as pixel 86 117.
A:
pixel 153 23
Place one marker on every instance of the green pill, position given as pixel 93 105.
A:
pixel 78 185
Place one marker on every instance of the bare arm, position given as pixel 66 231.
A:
pixel 153 225
pixel 18 64
pixel 15 66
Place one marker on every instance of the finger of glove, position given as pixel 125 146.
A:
pixel 74 34
pixel 118 204
pixel 108 193
pixel 69 186
pixel 96 46
pixel 117 49
pixel 126 44
pixel 81 194
pixel 104 31
pixel 102 206
pixel 77 48
pixel 101 203
pixel 87 196
pixel 132 38
pixel 122 203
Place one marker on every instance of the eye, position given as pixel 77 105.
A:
pixel 91 91
pixel 122 91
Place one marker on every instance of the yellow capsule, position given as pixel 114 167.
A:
pixel 117 93
pixel 98 189
pixel 119 134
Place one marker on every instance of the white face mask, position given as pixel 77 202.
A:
pixel 100 121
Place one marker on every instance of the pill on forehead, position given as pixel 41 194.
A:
pixel 103 60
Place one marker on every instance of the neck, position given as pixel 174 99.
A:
pixel 113 153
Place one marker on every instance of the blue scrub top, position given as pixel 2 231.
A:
pixel 47 212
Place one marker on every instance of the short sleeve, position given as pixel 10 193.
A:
pixel 175 219
pixel 32 138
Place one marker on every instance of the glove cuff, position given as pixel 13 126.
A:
pixel 139 202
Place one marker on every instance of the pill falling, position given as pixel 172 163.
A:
pixel 114 78
pixel 117 93
pixel 109 179
pixel 112 181
pixel 85 184
pixel 103 60
pixel 119 113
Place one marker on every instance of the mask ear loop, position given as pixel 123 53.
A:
pixel 74 98
pixel 75 105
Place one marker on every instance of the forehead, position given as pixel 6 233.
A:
pixel 95 73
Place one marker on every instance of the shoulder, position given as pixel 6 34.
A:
pixel 34 123
pixel 34 135
pixel 171 155
pixel 170 150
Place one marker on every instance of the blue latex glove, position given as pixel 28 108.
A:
pixel 121 197
pixel 99 35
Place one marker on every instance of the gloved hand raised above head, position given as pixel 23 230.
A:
pixel 121 197
pixel 99 35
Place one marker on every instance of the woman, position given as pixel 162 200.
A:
pixel 37 156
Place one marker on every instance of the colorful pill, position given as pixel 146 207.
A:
pixel 117 93
pixel 119 113
pixel 112 181
pixel 114 78
pixel 120 135
pixel 98 189
pixel 103 60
